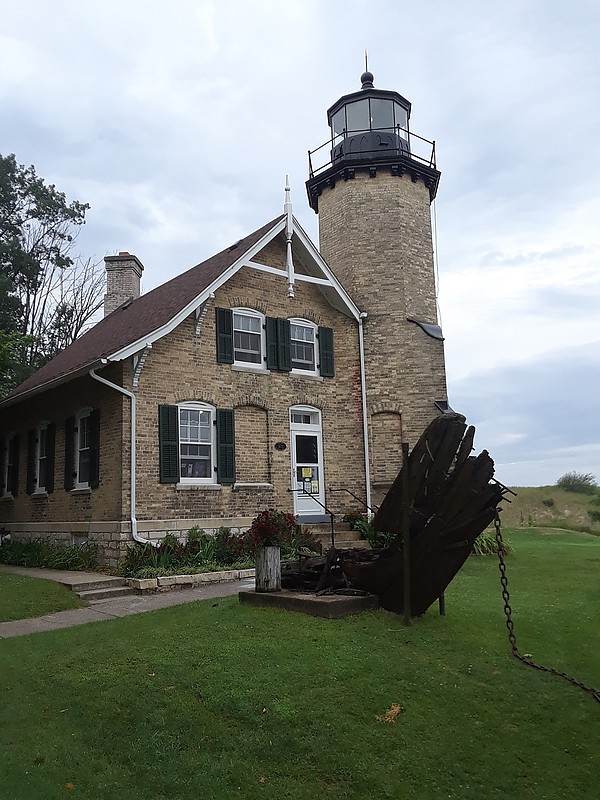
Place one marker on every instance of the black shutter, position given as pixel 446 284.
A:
pixel 225 446
pixel 15 446
pixel 283 345
pixel 272 351
pixel 69 452
pixel 3 455
pixel 32 436
pixel 224 327
pixel 168 443
pixel 94 448
pixel 50 439
pixel 326 352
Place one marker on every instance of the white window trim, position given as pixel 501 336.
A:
pixel 39 489
pixel 311 373
pixel 212 480
pixel 248 365
pixel 83 413
pixel 6 495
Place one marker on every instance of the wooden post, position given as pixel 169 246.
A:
pixel 268 569
pixel 406 533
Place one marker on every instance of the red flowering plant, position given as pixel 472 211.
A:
pixel 271 528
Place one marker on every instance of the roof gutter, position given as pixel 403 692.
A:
pixel 133 449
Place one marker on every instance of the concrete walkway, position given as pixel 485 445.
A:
pixel 111 608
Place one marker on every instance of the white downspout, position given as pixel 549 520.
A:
pixel 131 396
pixel 363 392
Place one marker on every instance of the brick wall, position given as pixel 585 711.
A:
pixel 67 516
pixel 182 367
pixel 376 235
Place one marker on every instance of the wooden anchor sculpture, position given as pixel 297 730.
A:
pixel 451 498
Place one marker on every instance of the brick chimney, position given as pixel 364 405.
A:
pixel 123 274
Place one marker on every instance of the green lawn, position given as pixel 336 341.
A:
pixel 216 700
pixel 22 597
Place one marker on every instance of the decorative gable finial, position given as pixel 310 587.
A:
pixel 289 230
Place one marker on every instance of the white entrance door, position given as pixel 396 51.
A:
pixel 308 481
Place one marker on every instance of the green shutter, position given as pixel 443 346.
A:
pixel 225 446
pixel 272 354
pixel 3 455
pixel 69 452
pixel 224 328
pixel 94 448
pixel 31 461
pixel 15 446
pixel 168 443
pixel 50 439
pixel 284 354
pixel 326 352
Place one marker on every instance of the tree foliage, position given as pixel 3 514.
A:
pixel 583 482
pixel 47 295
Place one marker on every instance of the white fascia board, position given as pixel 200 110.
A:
pixel 325 270
pixel 133 348
pixel 298 276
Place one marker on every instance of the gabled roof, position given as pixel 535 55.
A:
pixel 132 326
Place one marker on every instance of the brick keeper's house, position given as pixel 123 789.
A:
pixel 269 367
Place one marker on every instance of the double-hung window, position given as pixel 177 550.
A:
pixel 42 459
pixel 303 337
pixel 82 450
pixel 197 443
pixel 248 348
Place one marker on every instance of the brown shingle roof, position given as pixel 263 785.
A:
pixel 139 318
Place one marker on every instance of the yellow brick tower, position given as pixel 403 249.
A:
pixel 372 185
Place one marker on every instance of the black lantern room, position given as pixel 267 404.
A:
pixel 371 123
pixel 369 133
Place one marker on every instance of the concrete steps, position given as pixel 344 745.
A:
pixel 99 595
pixel 344 537
pixel 96 590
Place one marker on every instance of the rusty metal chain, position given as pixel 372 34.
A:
pixel 525 659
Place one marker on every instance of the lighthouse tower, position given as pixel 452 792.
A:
pixel 372 185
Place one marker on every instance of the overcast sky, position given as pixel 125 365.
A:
pixel 178 121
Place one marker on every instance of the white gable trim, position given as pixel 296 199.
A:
pixel 328 280
pixel 326 270
pixel 132 348
pixel 281 274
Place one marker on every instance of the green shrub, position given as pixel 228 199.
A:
pixel 299 540
pixel 548 502
pixel 40 553
pixel 485 544
pixel 594 514
pixel 354 518
pixel 202 552
pixel 378 540
pixel 583 482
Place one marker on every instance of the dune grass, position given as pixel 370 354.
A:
pixel 215 700
pixel 22 597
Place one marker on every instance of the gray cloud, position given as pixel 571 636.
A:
pixel 179 123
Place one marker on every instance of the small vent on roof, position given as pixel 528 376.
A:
pixel 237 244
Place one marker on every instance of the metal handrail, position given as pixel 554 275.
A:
pixel 405 134
pixel 355 496
pixel 323 506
